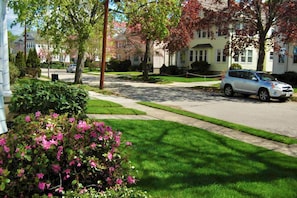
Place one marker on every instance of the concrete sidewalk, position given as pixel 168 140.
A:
pixel 156 114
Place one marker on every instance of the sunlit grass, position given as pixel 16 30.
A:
pixel 175 160
pixel 96 106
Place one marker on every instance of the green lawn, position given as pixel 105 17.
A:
pixel 179 161
pixel 96 106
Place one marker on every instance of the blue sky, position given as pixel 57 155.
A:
pixel 16 30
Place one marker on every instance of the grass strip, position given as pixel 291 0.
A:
pixel 242 128
pixel 97 106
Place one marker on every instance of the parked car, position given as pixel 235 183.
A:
pixel 249 82
pixel 71 68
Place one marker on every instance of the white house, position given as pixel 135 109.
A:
pixel 285 60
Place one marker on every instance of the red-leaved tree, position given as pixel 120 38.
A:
pixel 181 35
pixel 256 23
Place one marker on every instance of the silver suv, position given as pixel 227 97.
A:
pixel 249 82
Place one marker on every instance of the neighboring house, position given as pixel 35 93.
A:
pixel 285 60
pixel 43 50
pixel 205 48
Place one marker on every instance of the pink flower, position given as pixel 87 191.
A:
pixel 59 153
pixel 67 171
pixel 119 181
pixel 78 136
pixel 93 163
pixel 1 171
pixel 60 189
pixel 41 185
pixel 109 156
pixel 27 119
pixel 109 181
pixel 6 149
pixel 40 175
pixel 37 114
pixel 2 141
pixel 71 120
pixel 60 136
pixel 83 126
pixel 50 195
pixel 128 143
pixel 56 168
pixel 55 115
pixel 93 145
pixel 130 180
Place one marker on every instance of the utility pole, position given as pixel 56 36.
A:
pixel 103 59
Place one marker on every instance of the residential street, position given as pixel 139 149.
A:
pixel 274 116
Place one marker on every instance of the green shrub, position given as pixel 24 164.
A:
pixel 235 66
pixel 288 77
pixel 31 95
pixel 53 154
pixel 14 73
pixel 200 67
pixel 21 63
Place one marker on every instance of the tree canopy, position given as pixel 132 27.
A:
pixel 62 20
pixel 151 20
pixel 260 24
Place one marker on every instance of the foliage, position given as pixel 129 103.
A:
pixel 119 66
pixel 122 192
pixel 151 20
pixel 14 73
pixel 20 62
pixel 201 67
pixel 33 61
pixel 170 70
pixel 235 66
pixel 52 154
pixel 288 77
pixel 68 21
pixel 90 64
pixel 262 24
pixel 181 35
pixel 34 95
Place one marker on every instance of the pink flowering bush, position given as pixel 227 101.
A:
pixel 50 155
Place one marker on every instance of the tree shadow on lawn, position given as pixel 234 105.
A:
pixel 176 158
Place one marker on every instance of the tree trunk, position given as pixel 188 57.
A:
pixel 261 58
pixel 80 63
pixel 145 59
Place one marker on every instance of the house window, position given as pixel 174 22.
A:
pixel 295 54
pixel 205 55
pixel 271 55
pixel 196 55
pixel 236 56
pixel 250 56
pixel 200 55
pixel 191 55
pixel 224 57
pixel 243 58
pixel 218 55
pixel 282 55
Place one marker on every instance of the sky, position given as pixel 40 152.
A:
pixel 16 30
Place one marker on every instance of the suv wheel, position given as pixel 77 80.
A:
pixel 264 95
pixel 228 90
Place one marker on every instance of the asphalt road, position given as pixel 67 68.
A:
pixel 274 116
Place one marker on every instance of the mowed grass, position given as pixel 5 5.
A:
pixel 97 106
pixel 179 161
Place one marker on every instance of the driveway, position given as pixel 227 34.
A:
pixel 277 117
